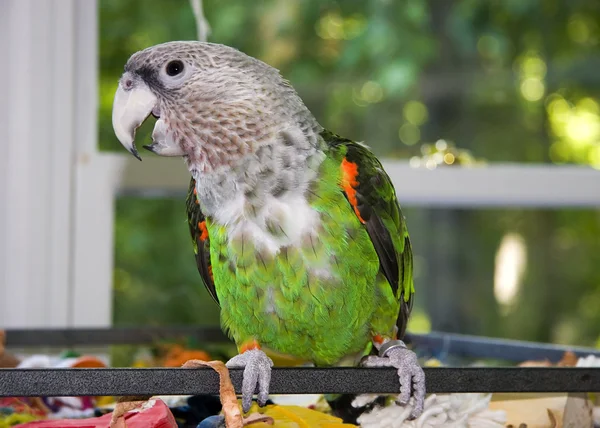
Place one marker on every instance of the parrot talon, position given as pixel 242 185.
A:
pixel 257 372
pixel 394 353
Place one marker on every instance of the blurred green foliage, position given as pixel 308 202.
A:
pixel 156 280
pixel 510 80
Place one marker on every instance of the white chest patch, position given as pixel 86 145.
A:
pixel 277 223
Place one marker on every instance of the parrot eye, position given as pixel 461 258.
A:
pixel 174 68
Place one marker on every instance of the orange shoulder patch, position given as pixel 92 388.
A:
pixel 349 183
pixel 203 230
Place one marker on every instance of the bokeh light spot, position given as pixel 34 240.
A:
pixel 578 29
pixel 441 145
pixel 409 134
pixel 330 26
pixel 449 158
pixel 415 162
pixel 371 92
pixel 534 66
pixel 415 112
pixel 532 89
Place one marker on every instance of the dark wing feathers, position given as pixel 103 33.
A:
pixel 201 243
pixel 378 206
pixel 384 247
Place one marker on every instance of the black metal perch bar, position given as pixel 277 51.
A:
pixel 168 381
pixel 174 381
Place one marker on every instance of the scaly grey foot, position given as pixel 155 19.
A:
pixel 257 371
pixel 394 353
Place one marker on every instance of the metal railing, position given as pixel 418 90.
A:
pixel 340 380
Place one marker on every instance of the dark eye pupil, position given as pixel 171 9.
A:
pixel 174 68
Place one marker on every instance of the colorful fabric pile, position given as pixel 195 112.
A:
pixel 14 411
pixel 19 410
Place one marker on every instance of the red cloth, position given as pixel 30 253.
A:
pixel 157 416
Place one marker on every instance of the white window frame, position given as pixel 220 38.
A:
pixel 493 185
pixel 57 220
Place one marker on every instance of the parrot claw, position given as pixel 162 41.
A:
pixel 410 374
pixel 257 372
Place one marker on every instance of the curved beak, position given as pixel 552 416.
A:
pixel 132 105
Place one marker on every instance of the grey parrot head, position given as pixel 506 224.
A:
pixel 214 104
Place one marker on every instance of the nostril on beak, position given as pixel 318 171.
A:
pixel 128 84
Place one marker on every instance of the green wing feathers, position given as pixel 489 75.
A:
pixel 369 190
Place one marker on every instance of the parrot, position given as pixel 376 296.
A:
pixel 297 232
